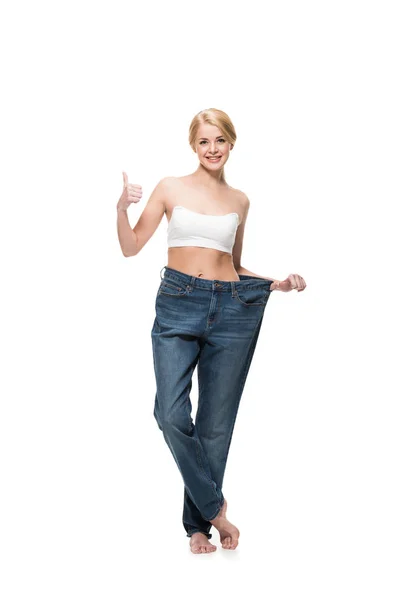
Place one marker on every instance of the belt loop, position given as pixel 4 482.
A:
pixel 233 288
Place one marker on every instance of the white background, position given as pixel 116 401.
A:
pixel 91 500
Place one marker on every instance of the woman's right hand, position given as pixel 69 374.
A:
pixel 132 192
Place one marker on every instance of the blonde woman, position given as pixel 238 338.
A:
pixel 209 311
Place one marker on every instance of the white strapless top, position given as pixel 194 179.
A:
pixel 189 228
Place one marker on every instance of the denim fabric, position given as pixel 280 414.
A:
pixel 214 325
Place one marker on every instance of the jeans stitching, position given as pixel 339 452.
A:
pixel 178 294
pixel 236 296
pixel 263 303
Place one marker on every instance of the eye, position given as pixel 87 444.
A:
pixel 205 141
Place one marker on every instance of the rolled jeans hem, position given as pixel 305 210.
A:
pixel 215 514
pixel 209 535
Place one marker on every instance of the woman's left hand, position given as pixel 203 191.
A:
pixel 292 282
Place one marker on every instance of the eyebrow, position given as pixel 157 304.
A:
pixel 219 136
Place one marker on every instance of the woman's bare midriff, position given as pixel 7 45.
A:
pixel 203 262
pixel 197 261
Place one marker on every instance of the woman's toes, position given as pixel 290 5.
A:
pixel 228 543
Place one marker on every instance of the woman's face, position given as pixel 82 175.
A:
pixel 211 144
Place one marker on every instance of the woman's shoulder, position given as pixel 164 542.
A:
pixel 239 193
pixel 167 186
pixel 240 196
pixel 170 181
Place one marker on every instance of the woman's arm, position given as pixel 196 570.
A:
pixel 133 239
pixel 237 249
pixel 242 271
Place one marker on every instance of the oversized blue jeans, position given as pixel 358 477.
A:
pixel 214 325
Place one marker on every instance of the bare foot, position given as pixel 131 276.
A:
pixel 200 544
pixel 229 534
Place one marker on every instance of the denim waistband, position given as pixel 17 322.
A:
pixel 211 284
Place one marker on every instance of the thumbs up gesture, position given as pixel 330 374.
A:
pixel 132 192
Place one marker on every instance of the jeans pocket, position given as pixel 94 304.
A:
pixel 172 288
pixel 252 296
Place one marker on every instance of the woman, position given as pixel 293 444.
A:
pixel 209 311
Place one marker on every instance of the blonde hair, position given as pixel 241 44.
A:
pixel 213 116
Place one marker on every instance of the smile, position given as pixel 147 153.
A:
pixel 214 159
